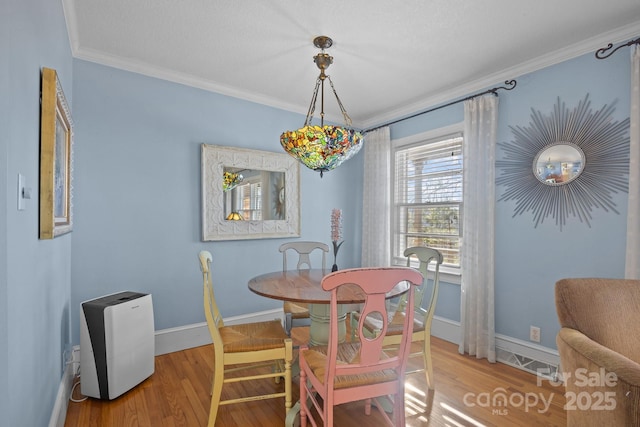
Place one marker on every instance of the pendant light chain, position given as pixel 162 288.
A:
pixel 312 106
pixel 314 99
pixel 347 119
pixel 325 147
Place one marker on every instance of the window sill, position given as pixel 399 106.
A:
pixel 447 274
pixel 450 275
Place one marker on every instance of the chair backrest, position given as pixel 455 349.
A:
pixel 211 312
pixel 429 265
pixel 303 249
pixel 375 283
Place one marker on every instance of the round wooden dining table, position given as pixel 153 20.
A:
pixel 306 286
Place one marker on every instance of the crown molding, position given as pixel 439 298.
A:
pixel 621 34
pixel 592 44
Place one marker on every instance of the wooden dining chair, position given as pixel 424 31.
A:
pixel 339 373
pixel 429 261
pixel 248 347
pixel 294 311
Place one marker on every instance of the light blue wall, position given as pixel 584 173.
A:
pixel 137 203
pixel 530 260
pixel 5 84
pixel 34 274
pixel 137 194
pixel 138 226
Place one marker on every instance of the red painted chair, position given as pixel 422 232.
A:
pixel 340 373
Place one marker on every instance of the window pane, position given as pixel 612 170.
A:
pixel 428 197
pixel 434 220
pixel 250 201
pixel 430 173
pixel 448 247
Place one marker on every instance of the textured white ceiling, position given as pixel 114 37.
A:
pixel 391 58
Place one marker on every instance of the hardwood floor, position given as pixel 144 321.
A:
pixel 467 392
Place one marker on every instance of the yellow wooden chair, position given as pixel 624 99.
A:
pixel 250 344
pixel 299 310
pixel 429 265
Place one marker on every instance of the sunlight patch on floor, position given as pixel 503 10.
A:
pixel 414 400
pixel 414 389
pixel 458 414
pixel 450 422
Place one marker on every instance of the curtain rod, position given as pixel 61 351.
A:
pixel 601 53
pixel 511 83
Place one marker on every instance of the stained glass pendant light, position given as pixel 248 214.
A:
pixel 230 180
pixel 325 147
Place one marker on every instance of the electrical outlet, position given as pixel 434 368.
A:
pixel 75 352
pixel 534 334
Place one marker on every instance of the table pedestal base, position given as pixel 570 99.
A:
pixel 319 329
pixel 293 416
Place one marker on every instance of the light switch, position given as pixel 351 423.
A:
pixel 21 203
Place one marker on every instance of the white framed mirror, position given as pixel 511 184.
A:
pixel 249 194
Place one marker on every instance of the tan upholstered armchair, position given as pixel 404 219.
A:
pixel 599 346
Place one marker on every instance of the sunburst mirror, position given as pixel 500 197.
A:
pixel 566 164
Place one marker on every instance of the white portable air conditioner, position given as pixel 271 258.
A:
pixel 117 343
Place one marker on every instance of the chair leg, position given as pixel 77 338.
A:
pixel 354 326
pixel 288 323
pixel 398 407
pixel 428 365
pixel 216 392
pixel 278 366
pixel 303 398
pixel 367 407
pixel 287 383
pixel 328 411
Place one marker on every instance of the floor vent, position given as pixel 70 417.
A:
pixel 544 369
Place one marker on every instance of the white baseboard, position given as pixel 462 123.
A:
pixel 530 357
pixel 181 338
pixel 59 413
pixel 197 334
pixel 521 354
pixel 445 329
pixel 166 341
pixel 530 350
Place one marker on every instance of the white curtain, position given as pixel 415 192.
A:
pixel 376 209
pixel 477 253
pixel 632 265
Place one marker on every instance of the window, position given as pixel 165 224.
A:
pixel 427 195
pixel 249 200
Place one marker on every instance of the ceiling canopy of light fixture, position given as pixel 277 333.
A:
pixel 325 147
